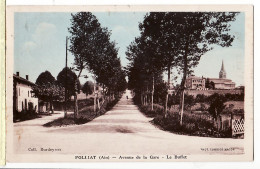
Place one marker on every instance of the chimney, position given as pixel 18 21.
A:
pixel 17 73
pixel 27 77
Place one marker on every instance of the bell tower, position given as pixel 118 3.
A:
pixel 222 73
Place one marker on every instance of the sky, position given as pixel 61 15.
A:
pixel 40 38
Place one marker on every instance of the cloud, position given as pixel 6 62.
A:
pixel 43 36
pixel 44 31
pixel 29 45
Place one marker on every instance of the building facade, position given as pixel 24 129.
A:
pixel 193 82
pixel 23 97
pixel 222 83
pixel 200 83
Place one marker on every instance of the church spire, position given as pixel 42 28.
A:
pixel 222 73
pixel 222 67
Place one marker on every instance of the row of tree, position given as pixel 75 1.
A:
pixel 173 40
pixel 94 52
pixel 49 89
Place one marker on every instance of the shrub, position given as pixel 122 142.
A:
pixel 86 114
pixel 147 110
pixel 24 115
pixel 216 105
pixel 192 125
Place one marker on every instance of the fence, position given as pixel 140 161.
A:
pixel 237 126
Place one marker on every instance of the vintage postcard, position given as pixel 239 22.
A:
pixel 129 83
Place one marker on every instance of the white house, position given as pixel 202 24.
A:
pixel 23 98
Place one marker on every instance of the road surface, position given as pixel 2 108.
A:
pixel 122 131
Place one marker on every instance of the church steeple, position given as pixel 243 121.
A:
pixel 222 73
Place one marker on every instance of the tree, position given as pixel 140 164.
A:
pixel 47 89
pixel 216 105
pixel 87 88
pixel 185 36
pixel 86 41
pixel 71 78
pixel 190 101
pixel 199 32
pixel 145 59
pixel 45 78
pixel 93 50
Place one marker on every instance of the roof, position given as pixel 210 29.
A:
pixel 219 80
pixel 194 77
pixel 222 67
pixel 23 80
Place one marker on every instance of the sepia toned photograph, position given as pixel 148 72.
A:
pixel 129 83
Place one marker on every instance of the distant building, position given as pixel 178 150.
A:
pixel 199 83
pixel 193 82
pixel 23 97
pixel 222 72
pixel 222 82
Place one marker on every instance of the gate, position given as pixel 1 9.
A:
pixel 237 126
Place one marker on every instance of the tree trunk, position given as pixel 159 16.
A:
pixel 141 99
pixel 76 109
pixel 65 105
pixel 182 106
pixel 51 106
pixel 98 102
pixel 152 92
pixel 103 95
pixel 95 96
pixel 182 86
pixel 168 87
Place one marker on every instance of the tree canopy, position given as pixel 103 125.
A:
pixel 45 78
pixel 70 81
pixel 178 39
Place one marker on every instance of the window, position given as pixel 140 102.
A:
pixel 19 92
pixel 28 93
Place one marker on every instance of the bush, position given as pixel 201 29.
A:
pixel 24 115
pixel 147 110
pixel 192 125
pixel 86 114
pixel 83 117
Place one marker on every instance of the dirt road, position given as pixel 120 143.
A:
pixel 122 131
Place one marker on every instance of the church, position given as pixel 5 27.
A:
pixel 199 83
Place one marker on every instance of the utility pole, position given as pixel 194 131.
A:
pixel 66 71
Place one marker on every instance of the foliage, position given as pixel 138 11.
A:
pixel 209 84
pixel 88 87
pixel 146 109
pixel 47 89
pixel 181 38
pixel 49 92
pixel 70 81
pixel 201 98
pixel 93 50
pixel 160 91
pixel 24 115
pixel 86 114
pixel 192 125
pixel 189 101
pixel 45 78
pixel 216 105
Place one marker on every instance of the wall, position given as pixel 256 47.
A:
pixel 22 95
pixel 210 92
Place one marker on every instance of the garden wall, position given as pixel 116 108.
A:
pixel 211 92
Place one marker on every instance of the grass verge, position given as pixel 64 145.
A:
pixel 85 115
pixel 193 124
